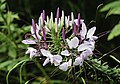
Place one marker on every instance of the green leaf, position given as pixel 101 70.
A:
pixel 110 5
pixel 11 16
pixel 12 52
pixel 115 11
pixel 2 1
pixel 115 32
pixel 4 37
pixel 3 47
pixel 6 63
pixel 11 64
pixel 3 6
pixel 14 68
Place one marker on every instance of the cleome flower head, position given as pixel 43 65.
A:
pixel 54 36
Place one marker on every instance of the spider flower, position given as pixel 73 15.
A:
pixel 72 49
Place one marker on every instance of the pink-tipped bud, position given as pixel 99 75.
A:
pixel 44 35
pixel 43 15
pixel 44 38
pixel 57 15
pixel 33 25
pixel 78 20
pixel 74 30
pixel 63 33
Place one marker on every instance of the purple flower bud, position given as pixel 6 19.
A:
pixel 63 33
pixel 44 37
pixel 57 15
pixel 74 30
pixel 78 20
pixel 33 25
pixel 43 15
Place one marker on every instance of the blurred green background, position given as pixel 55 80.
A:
pixel 15 21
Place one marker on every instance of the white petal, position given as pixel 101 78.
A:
pixel 90 43
pixel 57 59
pixel 39 22
pixel 56 63
pixel 74 42
pixel 64 66
pixel 28 41
pixel 86 53
pixel 38 36
pixel 37 27
pixel 69 43
pixel 67 22
pixel 83 47
pixel 65 53
pixel 46 61
pixel 32 51
pixel 94 38
pixel 32 31
pixel 27 52
pixel 78 61
pixel 76 21
pixel 45 52
pixel 51 57
pixel 47 30
pixel 70 62
pixel 83 31
pixel 91 32
pixel 72 17
pixel 56 25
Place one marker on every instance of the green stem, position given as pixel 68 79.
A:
pixel 21 72
pixel 41 69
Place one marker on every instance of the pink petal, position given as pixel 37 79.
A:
pixel 28 41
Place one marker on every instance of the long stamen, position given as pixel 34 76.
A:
pixel 74 30
pixel 57 15
pixel 33 25
pixel 44 37
pixel 79 20
pixel 43 15
pixel 63 33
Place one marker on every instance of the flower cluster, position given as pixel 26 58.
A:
pixel 64 41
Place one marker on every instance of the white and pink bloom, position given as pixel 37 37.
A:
pixel 55 59
pixel 31 51
pixel 72 50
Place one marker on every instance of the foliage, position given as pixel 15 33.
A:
pixel 113 8
pixel 10 39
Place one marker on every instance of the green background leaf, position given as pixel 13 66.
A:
pixel 115 32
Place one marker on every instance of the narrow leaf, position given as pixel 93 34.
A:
pixel 115 32
pixel 14 68
pixel 110 5
pixel 115 11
